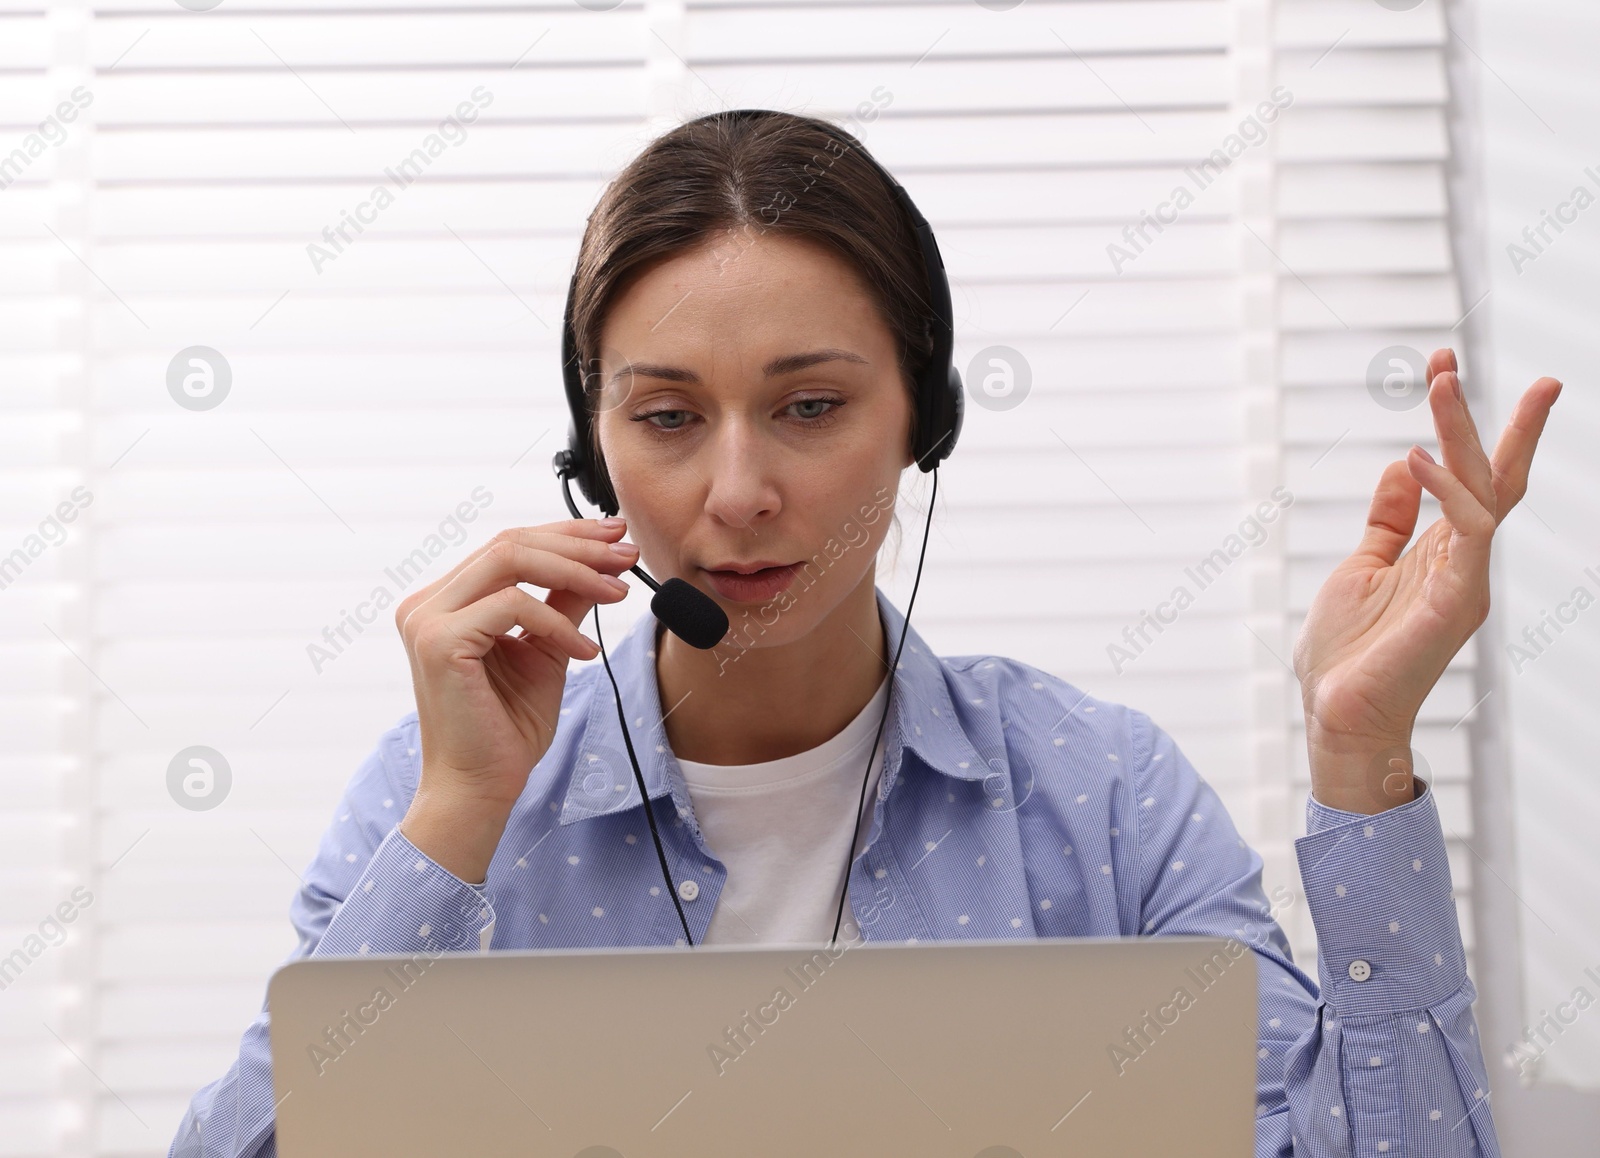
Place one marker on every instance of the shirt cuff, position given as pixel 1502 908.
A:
pixel 1378 890
pixel 406 902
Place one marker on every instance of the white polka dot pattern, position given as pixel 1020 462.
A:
pixel 1011 805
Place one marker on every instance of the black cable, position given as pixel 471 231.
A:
pixel 905 628
pixel 649 812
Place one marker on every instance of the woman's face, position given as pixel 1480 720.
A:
pixel 753 415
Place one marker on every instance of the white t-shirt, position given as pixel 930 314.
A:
pixel 781 828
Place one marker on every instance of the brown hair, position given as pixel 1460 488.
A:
pixel 769 172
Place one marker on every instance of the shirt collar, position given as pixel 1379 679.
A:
pixel 922 718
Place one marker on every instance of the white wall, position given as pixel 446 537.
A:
pixel 1540 153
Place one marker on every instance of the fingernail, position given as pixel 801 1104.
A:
pixel 1423 453
pixel 616 584
pixel 1455 386
pixel 623 548
pixel 613 521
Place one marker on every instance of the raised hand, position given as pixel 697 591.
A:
pixel 1385 624
pixel 488 701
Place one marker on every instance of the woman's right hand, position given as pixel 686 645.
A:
pixel 488 702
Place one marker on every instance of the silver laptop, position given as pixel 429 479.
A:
pixel 971 1049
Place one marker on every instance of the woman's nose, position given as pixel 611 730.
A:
pixel 738 473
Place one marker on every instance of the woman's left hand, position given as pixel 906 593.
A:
pixel 1382 629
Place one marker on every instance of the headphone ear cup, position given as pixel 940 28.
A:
pixel 593 482
pixel 592 478
pixel 958 407
pixel 940 408
pixel 604 497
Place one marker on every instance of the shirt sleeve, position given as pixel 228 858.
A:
pixel 1400 1053
pixel 1389 1064
pixel 367 890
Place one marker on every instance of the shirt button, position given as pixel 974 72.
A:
pixel 1360 970
pixel 689 890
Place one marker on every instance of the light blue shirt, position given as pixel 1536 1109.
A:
pixel 1010 805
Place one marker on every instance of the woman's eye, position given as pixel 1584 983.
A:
pixel 812 411
pixel 821 405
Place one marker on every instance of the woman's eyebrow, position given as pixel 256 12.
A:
pixel 785 364
pixel 790 363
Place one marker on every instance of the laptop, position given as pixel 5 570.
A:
pixel 969 1049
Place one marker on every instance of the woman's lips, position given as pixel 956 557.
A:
pixel 757 587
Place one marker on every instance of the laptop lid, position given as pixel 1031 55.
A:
pixel 998 1049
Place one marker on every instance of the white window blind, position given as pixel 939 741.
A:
pixel 47 924
pixel 1363 265
pixel 410 367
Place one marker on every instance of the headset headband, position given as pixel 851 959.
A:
pixel 938 390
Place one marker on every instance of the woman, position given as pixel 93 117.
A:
pixel 754 416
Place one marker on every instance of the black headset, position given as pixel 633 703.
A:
pixel 687 611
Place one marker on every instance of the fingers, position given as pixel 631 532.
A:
pixel 1473 525
pixel 1513 453
pixel 474 629
pixel 1392 516
pixel 583 528
pixel 583 567
pixel 1463 452
pixel 1440 361
pixel 574 607
pixel 585 539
